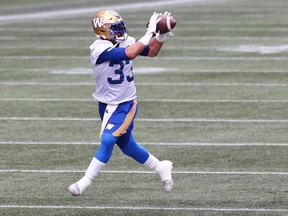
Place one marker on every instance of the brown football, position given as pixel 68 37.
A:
pixel 165 25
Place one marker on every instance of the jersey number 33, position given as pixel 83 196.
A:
pixel 120 72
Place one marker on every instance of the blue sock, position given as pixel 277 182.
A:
pixel 105 150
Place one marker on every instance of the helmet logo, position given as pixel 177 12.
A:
pixel 98 22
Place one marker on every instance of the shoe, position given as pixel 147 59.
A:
pixel 79 187
pixel 168 185
pixel 74 189
pixel 165 172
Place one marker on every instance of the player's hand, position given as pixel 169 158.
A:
pixel 168 14
pixel 151 29
pixel 162 37
pixel 153 23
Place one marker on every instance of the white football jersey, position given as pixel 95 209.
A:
pixel 114 81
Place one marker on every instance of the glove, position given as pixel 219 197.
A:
pixel 162 37
pixel 151 29
pixel 153 23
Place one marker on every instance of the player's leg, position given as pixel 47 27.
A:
pixel 99 160
pixel 101 156
pixel 129 147
pixel 115 120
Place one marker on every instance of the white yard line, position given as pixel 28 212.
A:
pixel 182 38
pixel 216 120
pixel 215 84
pixel 262 49
pixel 215 58
pixel 144 100
pixel 43 4
pixel 91 10
pixel 45 47
pixel 145 172
pixel 232 70
pixel 194 70
pixel 77 29
pixel 135 208
pixel 50 29
pixel 248 48
pixel 52 47
pixel 22 57
pixel 230 38
pixel 211 101
pixel 150 120
pixel 144 84
pixel 131 18
pixel 48 99
pixel 145 143
pixel 165 58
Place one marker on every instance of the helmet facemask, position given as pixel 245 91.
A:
pixel 118 31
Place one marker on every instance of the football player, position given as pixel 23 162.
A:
pixel 111 58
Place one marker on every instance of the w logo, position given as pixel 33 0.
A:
pixel 98 22
pixel 109 126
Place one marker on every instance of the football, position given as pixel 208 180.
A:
pixel 165 24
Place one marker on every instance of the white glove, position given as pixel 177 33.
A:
pixel 153 23
pixel 151 30
pixel 162 37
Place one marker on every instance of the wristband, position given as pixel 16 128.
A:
pixel 146 39
pixel 160 37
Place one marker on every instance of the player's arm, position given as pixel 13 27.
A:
pixel 154 47
pixel 120 54
pixel 157 42
pixel 150 50
pixel 139 47
pixel 135 49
